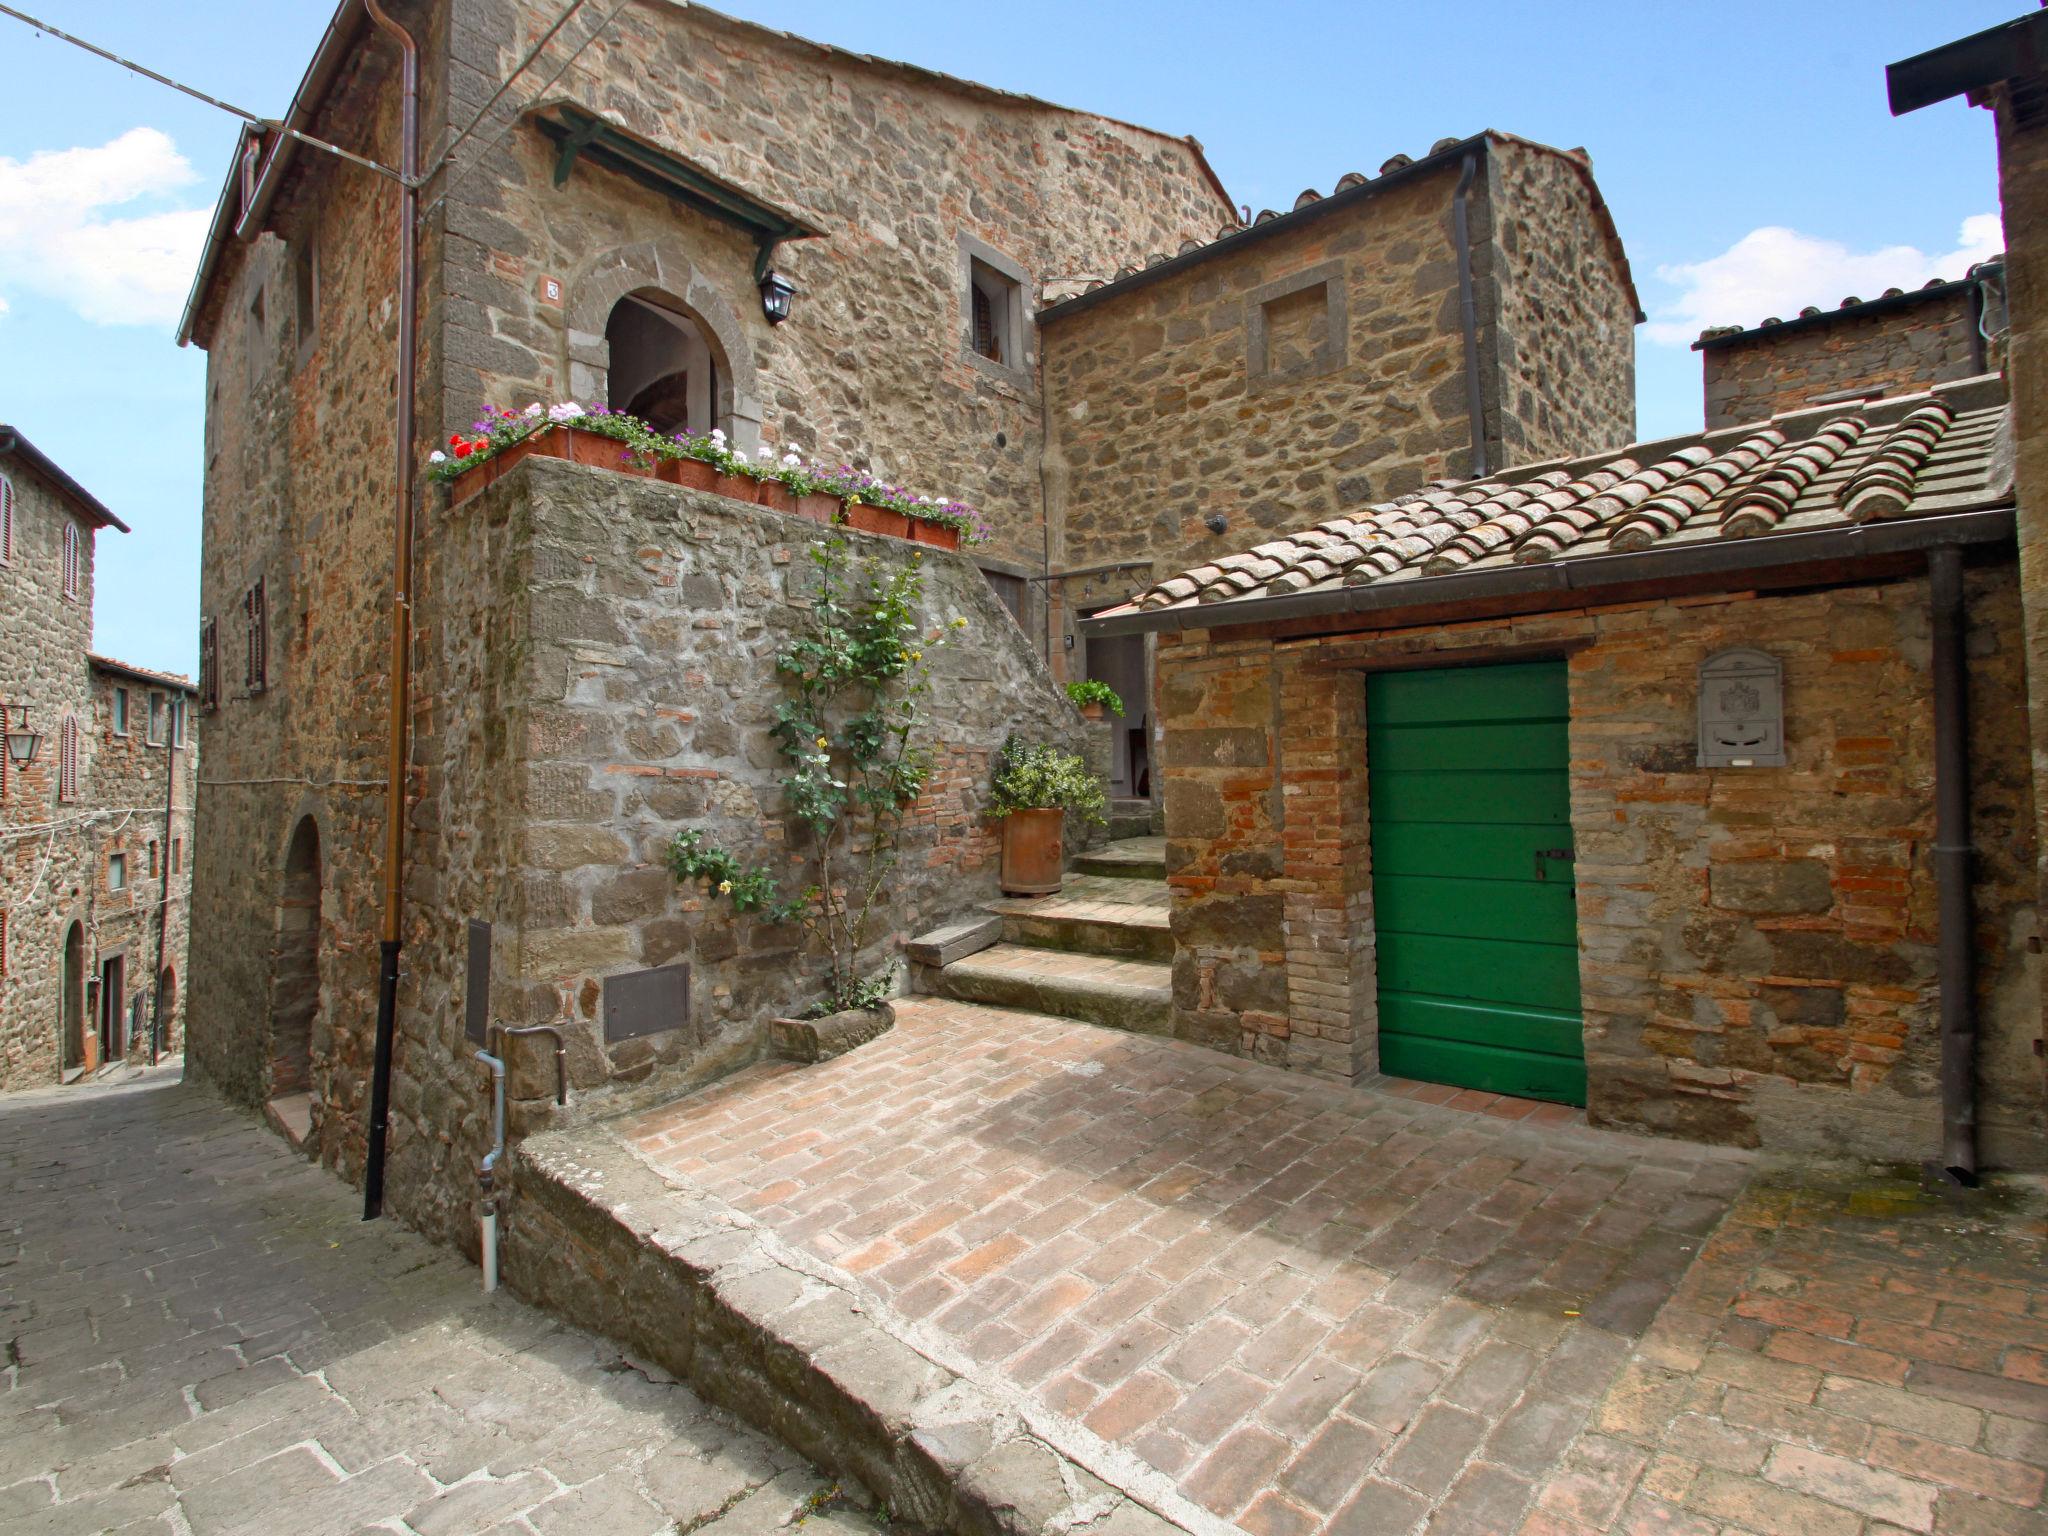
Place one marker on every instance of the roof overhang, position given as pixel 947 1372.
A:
pixel 1868 309
pixel 14 445
pixel 579 134
pixel 114 668
pixel 1822 555
pixel 1974 63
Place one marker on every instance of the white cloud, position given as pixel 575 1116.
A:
pixel 1779 271
pixel 58 240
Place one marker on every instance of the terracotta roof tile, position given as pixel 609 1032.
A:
pixel 1902 457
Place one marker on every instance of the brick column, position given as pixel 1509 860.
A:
pixel 1327 881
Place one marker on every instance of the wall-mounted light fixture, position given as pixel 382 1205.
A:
pixel 776 292
pixel 22 743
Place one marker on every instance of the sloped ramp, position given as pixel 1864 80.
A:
pixel 806 1353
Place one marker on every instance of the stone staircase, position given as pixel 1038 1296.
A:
pixel 1099 951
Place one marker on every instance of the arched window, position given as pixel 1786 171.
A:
pixel 662 369
pixel 74 571
pixel 67 760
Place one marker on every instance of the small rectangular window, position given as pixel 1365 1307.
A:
pixel 117 871
pixel 120 711
pixel 74 564
pixel 306 294
pixel 158 712
pixel 153 856
pixel 177 855
pixel 178 720
pixel 993 302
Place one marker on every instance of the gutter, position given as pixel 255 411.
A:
pixel 1588 574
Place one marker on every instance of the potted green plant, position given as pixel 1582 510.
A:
pixel 1036 786
pixel 1092 698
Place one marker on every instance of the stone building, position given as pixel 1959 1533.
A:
pixel 1863 348
pixel 1400 330
pixel 1612 779
pixel 94 879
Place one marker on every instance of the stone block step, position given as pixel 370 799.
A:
pixel 1134 858
pixel 1093 915
pixel 1096 989
pixel 955 941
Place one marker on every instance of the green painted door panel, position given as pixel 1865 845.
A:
pixel 1532 690
pixel 1488 1068
pixel 1449 795
pixel 1474 912
pixel 1480 909
pixel 1439 1018
pixel 1471 852
pixel 1491 970
pixel 1488 744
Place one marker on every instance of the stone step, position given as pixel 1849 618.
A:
pixel 1132 858
pixel 1096 989
pixel 1093 915
pixel 1131 818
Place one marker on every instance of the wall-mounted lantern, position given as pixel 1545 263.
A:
pixel 1742 710
pixel 776 293
pixel 22 743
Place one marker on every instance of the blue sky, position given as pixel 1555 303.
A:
pixel 1744 149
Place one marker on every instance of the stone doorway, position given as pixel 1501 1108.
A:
pixel 113 1009
pixel 663 366
pixel 71 1000
pixel 295 983
pixel 1119 660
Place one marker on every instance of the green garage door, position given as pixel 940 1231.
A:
pixel 1472 879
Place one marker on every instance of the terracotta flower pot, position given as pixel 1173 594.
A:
pixel 775 496
pixel 1032 852
pixel 866 519
pixel 938 535
pixel 738 487
pixel 818 507
pixel 1092 711
pixel 690 474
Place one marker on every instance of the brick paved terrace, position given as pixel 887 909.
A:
pixel 1321 1309
pixel 199 1335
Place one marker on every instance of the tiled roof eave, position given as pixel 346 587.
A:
pixel 1683 558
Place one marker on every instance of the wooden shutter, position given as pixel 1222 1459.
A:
pixel 3 941
pixel 6 520
pixel 67 760
pixel 73 572
pixel 209 665
pixel 256 644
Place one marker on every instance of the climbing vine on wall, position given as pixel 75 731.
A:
pixel 849 728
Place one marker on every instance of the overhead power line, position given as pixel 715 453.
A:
pixel 198 95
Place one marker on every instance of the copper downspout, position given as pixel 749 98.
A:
pixel 396 752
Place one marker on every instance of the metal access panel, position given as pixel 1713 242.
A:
pixel 1742 710
pixel 476 1019
pixel 640 1003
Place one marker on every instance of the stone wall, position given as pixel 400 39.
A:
pixel 899 167
pixel 597 674
pixel 130 781
pixel 1757 945
pixel 1565 328
pixel 46 855
pixel 1895 351
pixel 1316 364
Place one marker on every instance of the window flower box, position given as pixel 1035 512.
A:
pixel 863 518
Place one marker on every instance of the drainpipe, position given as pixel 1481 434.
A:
pixel 1468 317
pixel 399 724
pixel 1955 955
pixel 163 908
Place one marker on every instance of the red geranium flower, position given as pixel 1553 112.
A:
pixel 462 449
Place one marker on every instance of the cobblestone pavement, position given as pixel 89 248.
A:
pixel 201 1336
pixel 1320 1309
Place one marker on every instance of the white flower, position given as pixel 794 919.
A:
pixel 437 457
pixel 791 461
pixel 764 453
pixel 568 410
pixel 533 409
pixel 718 434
